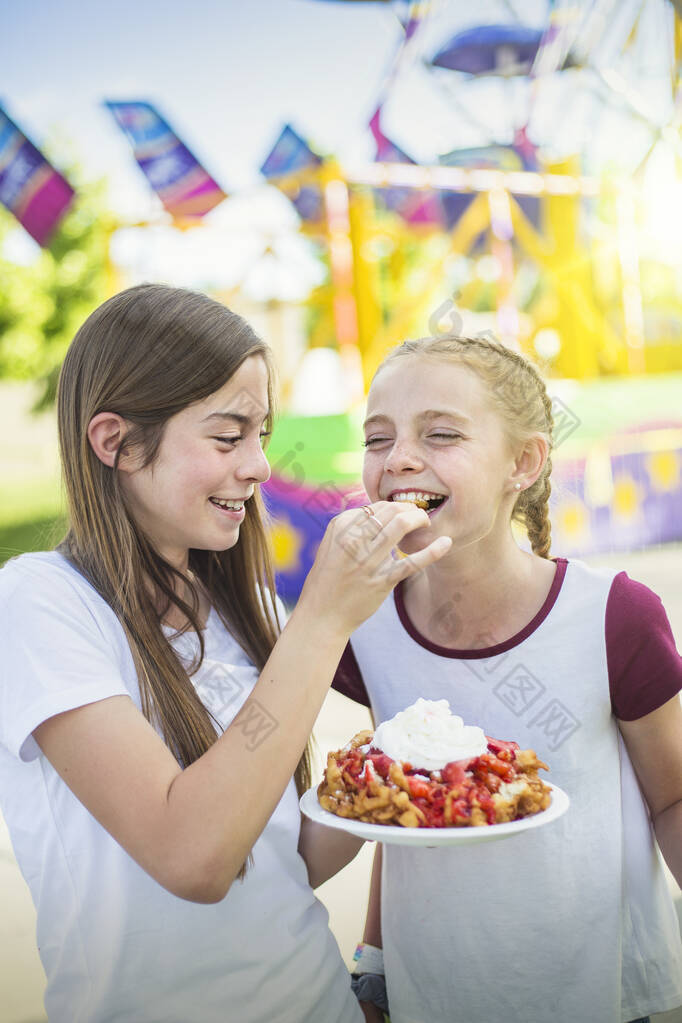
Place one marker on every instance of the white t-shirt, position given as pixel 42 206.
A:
pixel 572 921
pixel 115 945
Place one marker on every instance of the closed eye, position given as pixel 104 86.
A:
pixel 374 440
pixel 447 436
pixel 233 440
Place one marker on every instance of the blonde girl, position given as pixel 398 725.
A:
pixel 571 921
pixel 153 714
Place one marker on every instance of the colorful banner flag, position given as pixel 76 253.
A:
pixel 521 155
pixel 30 187
pixel 289 154
pixel 291 157
pixel 184 187
pixel 418 208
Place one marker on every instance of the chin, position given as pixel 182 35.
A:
pixel 227 545
pixel 216 546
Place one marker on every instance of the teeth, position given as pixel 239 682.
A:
pixel 232 505
pixel 415 495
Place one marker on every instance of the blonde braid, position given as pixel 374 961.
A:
pixel 532 505
pixel 520 395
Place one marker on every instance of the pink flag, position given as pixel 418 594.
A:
pixel 30 187
pixel 175 174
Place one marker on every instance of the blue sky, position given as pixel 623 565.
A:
pixel 228 74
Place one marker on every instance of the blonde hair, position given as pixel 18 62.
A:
pixel 519 395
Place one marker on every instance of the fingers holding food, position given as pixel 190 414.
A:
pixel 355 567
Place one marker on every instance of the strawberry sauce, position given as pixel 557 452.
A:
pixel 446 797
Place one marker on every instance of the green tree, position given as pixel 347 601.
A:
pixel 43 304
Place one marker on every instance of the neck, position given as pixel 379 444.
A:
pixel 480 595
pixel 171 615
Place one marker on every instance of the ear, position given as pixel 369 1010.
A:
pixel 106 433
pixel 530 462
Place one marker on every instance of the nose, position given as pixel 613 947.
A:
pixel 403 457
pixel 254 466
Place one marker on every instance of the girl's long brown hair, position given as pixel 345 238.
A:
pixel 146 354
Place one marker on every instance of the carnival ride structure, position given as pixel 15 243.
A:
pixel 555 269
pixel 512 235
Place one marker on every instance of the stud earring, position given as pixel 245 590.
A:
pixel 517 486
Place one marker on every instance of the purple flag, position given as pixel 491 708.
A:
pixel 177 177
pixel 290 155
pixel 30 187
pixel 414 206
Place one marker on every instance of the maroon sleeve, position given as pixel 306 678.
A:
pixel 645 669
pixel 348 678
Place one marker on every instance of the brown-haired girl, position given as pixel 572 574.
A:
pixel 567 922
pixel 152 716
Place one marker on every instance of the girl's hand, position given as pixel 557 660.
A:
pixel 355 570
pixel 372 1012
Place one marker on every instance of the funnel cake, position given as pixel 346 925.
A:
pixel 502 784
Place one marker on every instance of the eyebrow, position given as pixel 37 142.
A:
pixel 238 417
pixel 431 413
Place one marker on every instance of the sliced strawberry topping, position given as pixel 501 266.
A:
pixel 447 797
pixel 485 801
pixel 461 810
pixel 351 765
pixel 420 789
pixel 489 762
pixel 454 773
pixel 502 748
pixel 492 781
pixel 381 762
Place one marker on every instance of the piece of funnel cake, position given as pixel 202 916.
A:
pixel 426 768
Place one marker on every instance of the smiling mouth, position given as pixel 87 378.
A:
pixel 227 505
pixel 425 499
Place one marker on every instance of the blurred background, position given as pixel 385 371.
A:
pixel 346 175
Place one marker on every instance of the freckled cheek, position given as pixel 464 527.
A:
pixel 371 475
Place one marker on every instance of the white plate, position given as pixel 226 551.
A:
pixel 396 835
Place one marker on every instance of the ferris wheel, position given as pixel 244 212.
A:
pixel 560 92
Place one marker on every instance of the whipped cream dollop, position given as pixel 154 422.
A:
pixel 427 735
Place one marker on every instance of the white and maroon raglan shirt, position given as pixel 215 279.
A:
pixel 570 921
